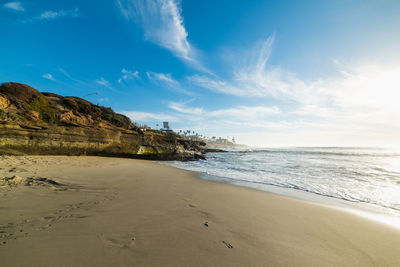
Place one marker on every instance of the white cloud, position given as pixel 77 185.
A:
pixel 55 14
pixel 246 113
pixel 322 135
pixel 217 85
pixel 251 77
pixel 17 6
pixel 104 83
pixel 180 107
pixel 48 76
pixel 359 99
pixel 128 75
pixel 166 80
pixel 231 119
pixel 145 117
pixel 102 99
pixel 163 77
pixel 237 113
pixel 50 14
pixel 66 74
pixel 162 24
pixel 201 119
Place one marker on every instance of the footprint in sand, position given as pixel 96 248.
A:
pixel 122 242
pixel 45 227
pixel 227 244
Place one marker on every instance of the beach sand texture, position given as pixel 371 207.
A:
pixel 94 211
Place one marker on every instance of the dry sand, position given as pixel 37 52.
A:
pixel 92 211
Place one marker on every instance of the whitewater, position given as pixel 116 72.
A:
pixel 357 175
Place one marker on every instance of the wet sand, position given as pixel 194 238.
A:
pixel 93 211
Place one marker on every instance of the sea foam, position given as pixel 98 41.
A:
pixel 364 175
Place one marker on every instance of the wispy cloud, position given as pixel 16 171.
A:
pixel 102 99
pixel 183 108
pixel 52 14
pixel 17 6
pixel 66 74
pixel 201 118
pixel 357 99
pixel 252 77
pixel 163 77
pixel 128 75
pixel 162 23
pixel 219 122
pixel 218 85
pixel 166 80
pixel 145 117
pixel 246 113
pixel 104 83
pixel 236 113
pixel 48 76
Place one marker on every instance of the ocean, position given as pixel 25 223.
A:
pixel 366 176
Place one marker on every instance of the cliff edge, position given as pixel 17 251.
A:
pixel 32 122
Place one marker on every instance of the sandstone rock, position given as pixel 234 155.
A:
pixel 69 117
pixel 32 115
pixel 4 102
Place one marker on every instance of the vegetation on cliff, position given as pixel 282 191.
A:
pixel 24 103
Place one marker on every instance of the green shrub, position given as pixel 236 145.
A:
pixel 3 114
pixel 15 117
pixel 42 105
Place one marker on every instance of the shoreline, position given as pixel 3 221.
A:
pixel 125 212
pixel 365 210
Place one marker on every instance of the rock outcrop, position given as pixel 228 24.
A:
pixel 32 122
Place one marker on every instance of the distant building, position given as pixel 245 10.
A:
pixel 166 127
pixel 144 128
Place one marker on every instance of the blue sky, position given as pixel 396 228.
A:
pixel 270 73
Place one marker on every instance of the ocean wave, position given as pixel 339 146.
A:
pixel 318 152
pixel 353 174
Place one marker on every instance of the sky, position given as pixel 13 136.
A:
pixel 269 73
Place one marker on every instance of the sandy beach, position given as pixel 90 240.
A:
pixel 94 211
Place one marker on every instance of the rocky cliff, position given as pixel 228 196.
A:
pixel 32 122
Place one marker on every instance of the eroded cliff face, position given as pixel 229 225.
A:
pixel 44 123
